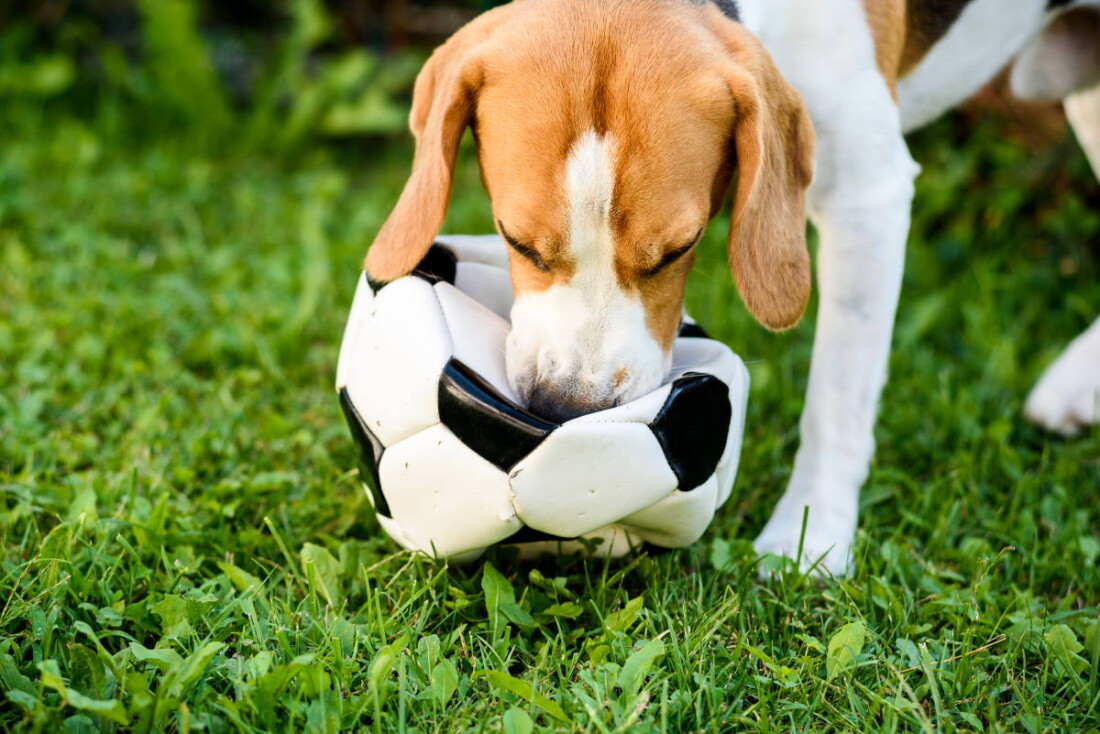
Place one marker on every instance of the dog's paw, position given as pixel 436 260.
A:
pixel 830 527
pixel 1067 396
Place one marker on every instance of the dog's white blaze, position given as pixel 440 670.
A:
pixel 587 330
pixel 589 188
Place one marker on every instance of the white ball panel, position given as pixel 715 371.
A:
pixel 446 499
pixel 394 531
pixel 489 285
pixel 679 519
pixel 731 457
pixel 360 311
pixel 395 361
pixel 477 336
pixel 642 410
pixel 488 249
pixel 586 475
pixel 616 542
pixel 692 354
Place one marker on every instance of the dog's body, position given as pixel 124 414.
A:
pixel 860 203
pixel 608 132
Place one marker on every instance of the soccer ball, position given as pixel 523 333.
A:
pixel 453 464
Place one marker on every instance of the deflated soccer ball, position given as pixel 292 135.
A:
pixel 453 463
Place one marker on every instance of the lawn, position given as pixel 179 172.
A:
pixel 186 546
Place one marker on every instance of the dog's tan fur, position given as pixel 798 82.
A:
pixel 532 76
pixel 893 42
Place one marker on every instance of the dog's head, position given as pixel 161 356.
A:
pixel 608 135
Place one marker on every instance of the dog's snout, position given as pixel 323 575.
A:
pixel 568 354
pixel 576 386
pixel 565 399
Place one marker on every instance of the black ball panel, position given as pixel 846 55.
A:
pixel 370 452
pixel 375 285
pixel 530 535
pixel 692 427
pixel 495 428
pixel 688 329
pixel 439 265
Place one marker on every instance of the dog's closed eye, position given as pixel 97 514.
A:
pixel 672 256
pixel 524 249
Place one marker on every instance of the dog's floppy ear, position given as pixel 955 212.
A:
pixel 1063 59
pixel 444 103
pixel 773 140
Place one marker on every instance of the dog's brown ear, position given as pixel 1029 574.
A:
pixel 444 102
pixel 774 143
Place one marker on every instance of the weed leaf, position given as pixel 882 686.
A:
pixel 569 610
pixel 322 570
pixel 625 618
pixel 517 721
pixel 636 667
pixel 173 611
pixel 504 682
pixel 192 668
pixel 844 647
pixel 500 600
pixel 783 674
pixel 1064 647
pixel 384 662
pixel 444 681
pixel 11 678
pixel 241 579
pixel 109 709
pixel 162 658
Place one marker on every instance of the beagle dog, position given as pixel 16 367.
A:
pixel 609 132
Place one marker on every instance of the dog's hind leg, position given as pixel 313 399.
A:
pixel 1067 396
pixel 1062 62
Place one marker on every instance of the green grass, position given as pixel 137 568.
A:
pixel 186 546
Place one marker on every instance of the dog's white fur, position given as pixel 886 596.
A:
pixel 586 331
pixel 860 203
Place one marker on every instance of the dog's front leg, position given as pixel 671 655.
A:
pixel 860 204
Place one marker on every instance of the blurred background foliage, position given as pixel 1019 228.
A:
pixel 259 76
pixel 269 76
pixel 263 75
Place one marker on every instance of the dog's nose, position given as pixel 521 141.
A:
pixel 562 400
